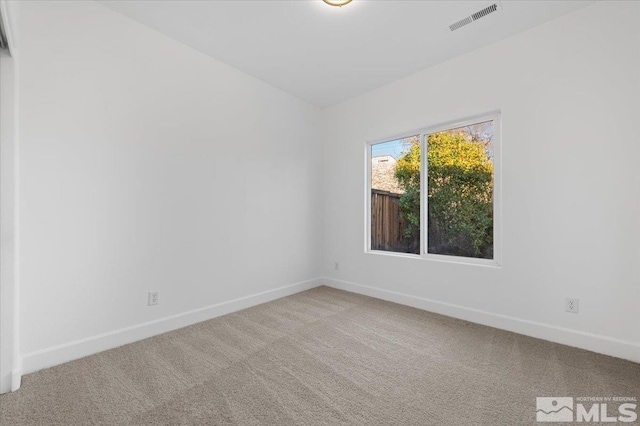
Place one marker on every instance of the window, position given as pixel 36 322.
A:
pixel 434 194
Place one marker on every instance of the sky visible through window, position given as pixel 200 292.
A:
pixel 396 148
pixel 458 185
pixel 393 148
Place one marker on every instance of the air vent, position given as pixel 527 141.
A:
pixel 461 23
pixel 484 12
pixel 474 17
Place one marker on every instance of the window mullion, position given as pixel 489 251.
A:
pixel 423 195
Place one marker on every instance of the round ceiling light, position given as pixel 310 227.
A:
pixel 338 3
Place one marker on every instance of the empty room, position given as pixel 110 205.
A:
pixel 319 212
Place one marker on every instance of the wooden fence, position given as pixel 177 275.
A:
pixel 388 225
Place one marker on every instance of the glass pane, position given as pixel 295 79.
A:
pixel 460 191
pixel 395 195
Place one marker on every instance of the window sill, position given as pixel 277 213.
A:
pixel 487 263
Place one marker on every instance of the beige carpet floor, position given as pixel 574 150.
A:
pixel 321 357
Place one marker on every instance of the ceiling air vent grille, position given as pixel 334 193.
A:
pixel 474 17
pixel 484 12
pixel 461 23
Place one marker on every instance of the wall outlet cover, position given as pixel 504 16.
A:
pixel 153 298
pixel 571 305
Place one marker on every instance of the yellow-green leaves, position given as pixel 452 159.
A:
pixel 459 191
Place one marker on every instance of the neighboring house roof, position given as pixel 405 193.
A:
pixel 383 174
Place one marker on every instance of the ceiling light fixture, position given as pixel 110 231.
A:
pixel 338 3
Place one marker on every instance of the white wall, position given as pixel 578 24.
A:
pixel 8 224
pixel 569 92
pixel 146 165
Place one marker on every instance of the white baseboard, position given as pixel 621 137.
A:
pixel 55 355
pixel 16 379
pixel 60 354
pixel 5 383
pixel 579 339
pixel 11 381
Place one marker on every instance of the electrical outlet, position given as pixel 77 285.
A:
pixel 153 298
pixel 336 266
pixel 571 305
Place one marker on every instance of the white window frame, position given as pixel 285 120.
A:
pixel 497 192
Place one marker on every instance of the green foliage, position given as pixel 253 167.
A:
pixel 408 174
pixel 460 194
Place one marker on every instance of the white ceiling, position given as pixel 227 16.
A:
pixel 325 54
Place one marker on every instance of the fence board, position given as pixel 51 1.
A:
pixel 388 224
